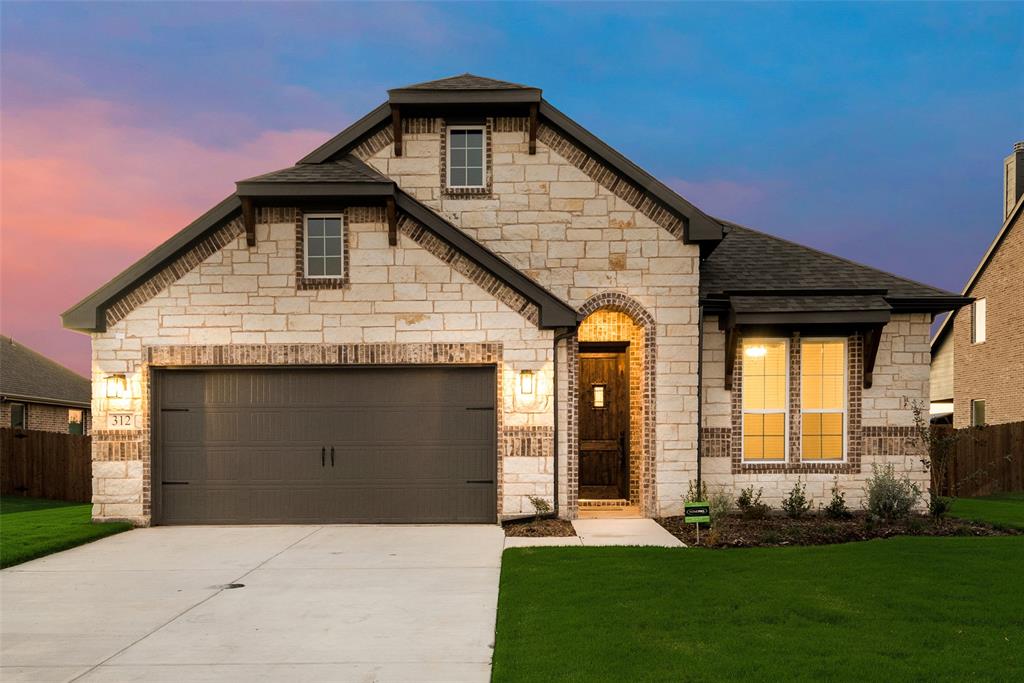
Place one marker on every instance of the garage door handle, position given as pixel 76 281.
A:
pixel 174 483
pixel 479 481
pixel 332 456
pixel 323 454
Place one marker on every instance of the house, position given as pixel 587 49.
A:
pixel 464 300
pixel 977 369
pixel 40 394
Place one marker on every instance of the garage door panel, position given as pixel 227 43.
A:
pixel 406 443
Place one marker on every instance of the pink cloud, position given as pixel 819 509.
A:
pixel 84 195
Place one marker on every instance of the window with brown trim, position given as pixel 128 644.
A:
pixel 823 399
pixel 765 399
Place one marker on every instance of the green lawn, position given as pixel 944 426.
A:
pixel 909 608
pixel 1000 509
pixel 31 528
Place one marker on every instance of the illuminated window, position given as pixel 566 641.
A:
pixel 599 396
pixel 75 424
pixel 765 368
pixel 822 398
pixel 977 413
pixel 978 315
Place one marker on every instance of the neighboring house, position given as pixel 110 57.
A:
pixel 978 352
pixel 465 299
pixel 40 394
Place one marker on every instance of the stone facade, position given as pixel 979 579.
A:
pixel 880 419
pixel 565 220
pixel 579 230
pixel 993 370
pixel 44 417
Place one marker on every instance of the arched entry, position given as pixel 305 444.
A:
pixel 611 461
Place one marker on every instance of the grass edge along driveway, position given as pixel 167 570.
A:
pixel 31 528
pixel 909 608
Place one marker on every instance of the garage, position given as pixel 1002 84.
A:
pixel 325 445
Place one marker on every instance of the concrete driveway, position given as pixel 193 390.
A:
pixel 330 603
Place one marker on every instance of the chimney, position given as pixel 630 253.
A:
pixel 1013 178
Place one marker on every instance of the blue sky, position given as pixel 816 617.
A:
pixel 875 131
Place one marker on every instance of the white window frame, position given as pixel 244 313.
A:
pixel 785 409
pixel 974 422
pixel 978 322
pixel 448 157
pixel 81 418
pixel 822 411
pixel 305 245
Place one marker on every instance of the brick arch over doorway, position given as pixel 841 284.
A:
pixel 612 316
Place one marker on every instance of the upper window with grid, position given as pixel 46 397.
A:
pixel 466 157
pixel 323 243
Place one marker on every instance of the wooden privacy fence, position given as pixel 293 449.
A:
pixel 45 465
pixel 984 460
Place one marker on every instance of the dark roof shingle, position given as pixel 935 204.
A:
pixel 750 260
pixel 344 170
pixel 25 373
pixel 466 81
pixel 800 303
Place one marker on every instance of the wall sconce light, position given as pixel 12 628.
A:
pixel 758 351
pixel 526 382
pixel 117 386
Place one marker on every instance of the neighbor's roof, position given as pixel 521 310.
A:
pixel 751 263
pixel 1018 208
pixel 30 376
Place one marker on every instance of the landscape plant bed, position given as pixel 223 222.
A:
pixel 779 530
pixel 534 527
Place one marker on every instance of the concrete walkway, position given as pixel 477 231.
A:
pixel 596 532
pixel 334 603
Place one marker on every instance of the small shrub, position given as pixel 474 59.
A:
pixel 696 494
pixel 938 505
pixel 890 496
pixel 719 504
pixel 796 504
pixel 837 509
pixel 541 507
pixel 750 504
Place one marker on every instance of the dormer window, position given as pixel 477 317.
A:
pixel 466 158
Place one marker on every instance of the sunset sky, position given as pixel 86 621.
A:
pixel 876 132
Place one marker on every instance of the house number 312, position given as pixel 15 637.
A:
pixel 121 420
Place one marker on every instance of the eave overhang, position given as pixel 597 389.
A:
pixel 305 190
pixel 24 398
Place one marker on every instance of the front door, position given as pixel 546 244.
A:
pixel 604 421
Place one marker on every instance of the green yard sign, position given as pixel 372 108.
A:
pixel 696 512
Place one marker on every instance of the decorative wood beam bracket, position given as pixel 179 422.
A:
pixel 533 129
pixel 872 336
pixel 396 126
pixel 249 220
pixel 732 341
pixel 392 222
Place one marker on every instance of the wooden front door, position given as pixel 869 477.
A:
pixel 604 421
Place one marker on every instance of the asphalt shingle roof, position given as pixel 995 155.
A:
pixel 808 303
pixel 345 170
pixel 26 373
pixel 750 260
pixel 466 81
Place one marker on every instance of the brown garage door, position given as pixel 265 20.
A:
pixel 267 446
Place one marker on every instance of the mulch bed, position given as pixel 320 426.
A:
pixel 539 527
pixel 778 530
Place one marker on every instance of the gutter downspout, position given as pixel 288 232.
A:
pixel 554 390
pixel 700 388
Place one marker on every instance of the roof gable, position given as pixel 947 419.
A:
pixel 466 81
pixel 27 374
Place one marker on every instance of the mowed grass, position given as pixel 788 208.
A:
pixel 31 528
pixel 1000 509
pixel 902 609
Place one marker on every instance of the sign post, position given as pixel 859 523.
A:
pixel 695 513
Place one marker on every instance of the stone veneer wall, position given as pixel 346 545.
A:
pixel 581 231
pixel 885 434
pixel 416 302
